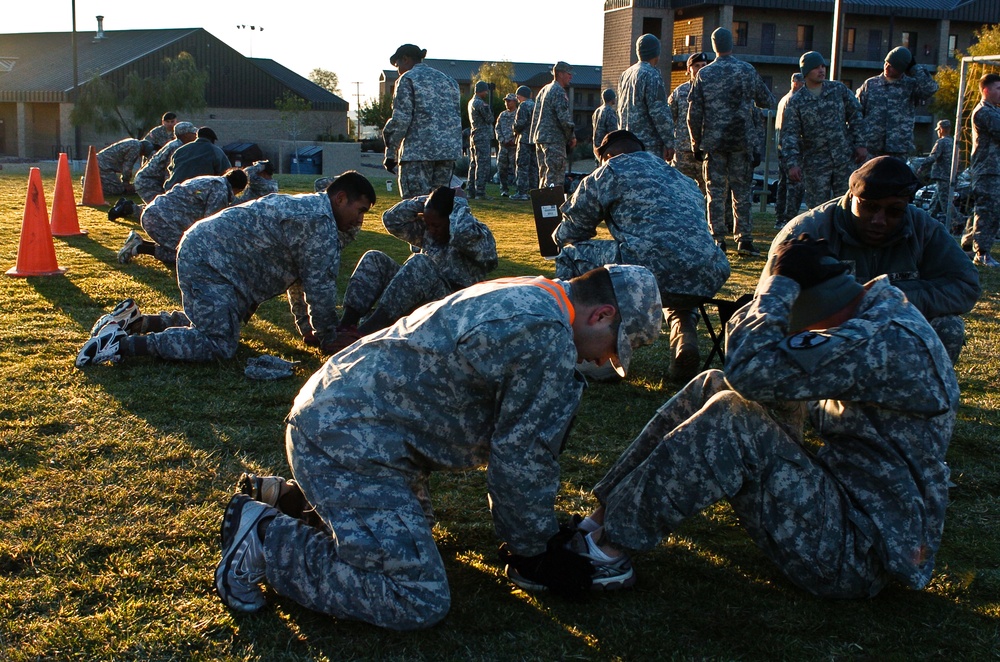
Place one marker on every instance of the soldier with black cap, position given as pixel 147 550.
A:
pixel 889 101
pixel 643 106
pixel 604 119
pixel 526 166
pixel 875 230
pixel 424 135
pixel 684 158
pixel 201 157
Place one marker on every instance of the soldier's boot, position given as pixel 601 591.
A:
pixel 378 320
pixel 684 344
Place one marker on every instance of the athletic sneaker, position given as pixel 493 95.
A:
pixel 242 566
pixel 519 196
pixel 122 314
pixel 266 489
pixel 610 573
pixel 747 248
pixel 116 210
pixel 105 347
pixel 130 248
pixel 985 260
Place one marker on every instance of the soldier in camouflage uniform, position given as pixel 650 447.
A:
pixel 604 120
pixel 985 168
pixel 721 125
pixel 169 216
pixel 230 263
pixel 822 133
pixel 889 100
pixel 642 104
pixel 875 230
pixel 656 217
pixel 164 133
pixel 485 377
pixel 788 195
pixel 150 178
pixel 939 161
pixel 116 163
pixel 455 251
pixel 552 128
pixel 260 178
pixel 480 140
pixel 424 135
pixel 526 158
pixel 684 158
pixel 507 145
pixel 868 507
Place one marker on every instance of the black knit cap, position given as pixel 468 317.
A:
pixel 882 177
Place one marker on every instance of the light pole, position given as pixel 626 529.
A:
pixel 252 29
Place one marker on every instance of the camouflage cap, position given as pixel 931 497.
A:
pixel 510 97
pixel 561 66
pixel 182 128
pixel 640 308
pixel 322 184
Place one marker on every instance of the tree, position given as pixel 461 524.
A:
pixel 946 99
pixel 325 79
pixel 290 108
pixel 375 112
pixel 135 104
pixel 501 74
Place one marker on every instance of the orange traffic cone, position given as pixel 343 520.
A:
pixel 36 256
pixel 65 222
pixel 93 192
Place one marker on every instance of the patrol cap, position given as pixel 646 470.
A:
pixel 182 128
pixel 797 78
pixel 617 136
pixel 820 301
pixel 407 50
pixel 510 97
pixel 641 310
pixel 882 177
pixel 523 91
pixel 695 58
pixel 899 57
pixel 322 184
pixel 561 66
pixel 944 124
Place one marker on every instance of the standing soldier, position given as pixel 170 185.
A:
pixel 940 164
pixel 721 124
pixel 684 159
pixel 506 145
pixel 822 134
pixel 985 168
pixel 552 128
pixel 788 196
pixel 424 135
pixel 605 119
pixel 526 159
pixel 481 141
pixel 889 100
pixel 643 109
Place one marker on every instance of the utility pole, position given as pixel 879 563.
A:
pixel 357 109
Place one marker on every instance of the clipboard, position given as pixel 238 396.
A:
pixel 545 203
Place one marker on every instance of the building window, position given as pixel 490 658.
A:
pixel 952 46
pixel 849 39
pixel 909 40
pixel 804 38
pixel 653 26
pixel 740 31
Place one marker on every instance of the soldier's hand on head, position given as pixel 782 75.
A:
pixel 390 165
pixel 795 174
pixel 802 260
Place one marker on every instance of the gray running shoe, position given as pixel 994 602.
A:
pixel 242 566
pixel 609 574
pixel 130 248
pixel 105 347
pixel 123 314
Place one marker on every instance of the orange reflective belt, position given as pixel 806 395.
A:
pixel 550 286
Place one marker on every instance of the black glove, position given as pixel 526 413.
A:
pixel 700 154
pixel 801 259
pixel 565 573
pixel 390 165
pixel 756 158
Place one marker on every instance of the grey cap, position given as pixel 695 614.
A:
pixel 641 310
pixel 321 184
pixel 182 128
pixel 797 77
pixel 944 124
pixel 899 57
pixel 524 91
pixel 647 47
pixel 561 66
pixel 722 40
pixel 810 61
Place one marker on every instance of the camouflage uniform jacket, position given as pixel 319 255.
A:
pixel 827 127
pixel 940 158
pixel 642 106
pixel 985 123
pixel 552 122
pixel 471 251
pixel 154 173
pixel 883 399
pixel 657 217
pixel 505 128
pixel 257 186
pixel 480 119
pixel 604 121
pixel 678 104
pixel 522 121
pixel 719 105
pixel 889 108
pixel 921 258
pixel 120 157
pixel 484 376
pixel 159 136
pixel 275 244
pixel 425 124
pixel 193 199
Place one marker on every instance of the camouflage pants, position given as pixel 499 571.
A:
pixel 689 166
pixel 398 290
pixel 825 180
pixel 986 219
pixel 111 184
pixel 479 166
pixel 166 231
pixel 214 313
pixel 422 177
pixel 729 175
pixel 527 167
pixel 938 208
pixel 381 564
pixel 951 330
pixel 506 167
pixel 551 164
pixel 788 197
pixel 148 190
pixel 708 443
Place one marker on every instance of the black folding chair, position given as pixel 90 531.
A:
pixel 724 310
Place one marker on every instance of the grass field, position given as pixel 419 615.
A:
pixel 114 480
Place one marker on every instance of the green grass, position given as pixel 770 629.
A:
pixel 113 480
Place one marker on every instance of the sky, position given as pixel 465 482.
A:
pixel 352 39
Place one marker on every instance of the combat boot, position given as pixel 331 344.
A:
pixel 683 344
